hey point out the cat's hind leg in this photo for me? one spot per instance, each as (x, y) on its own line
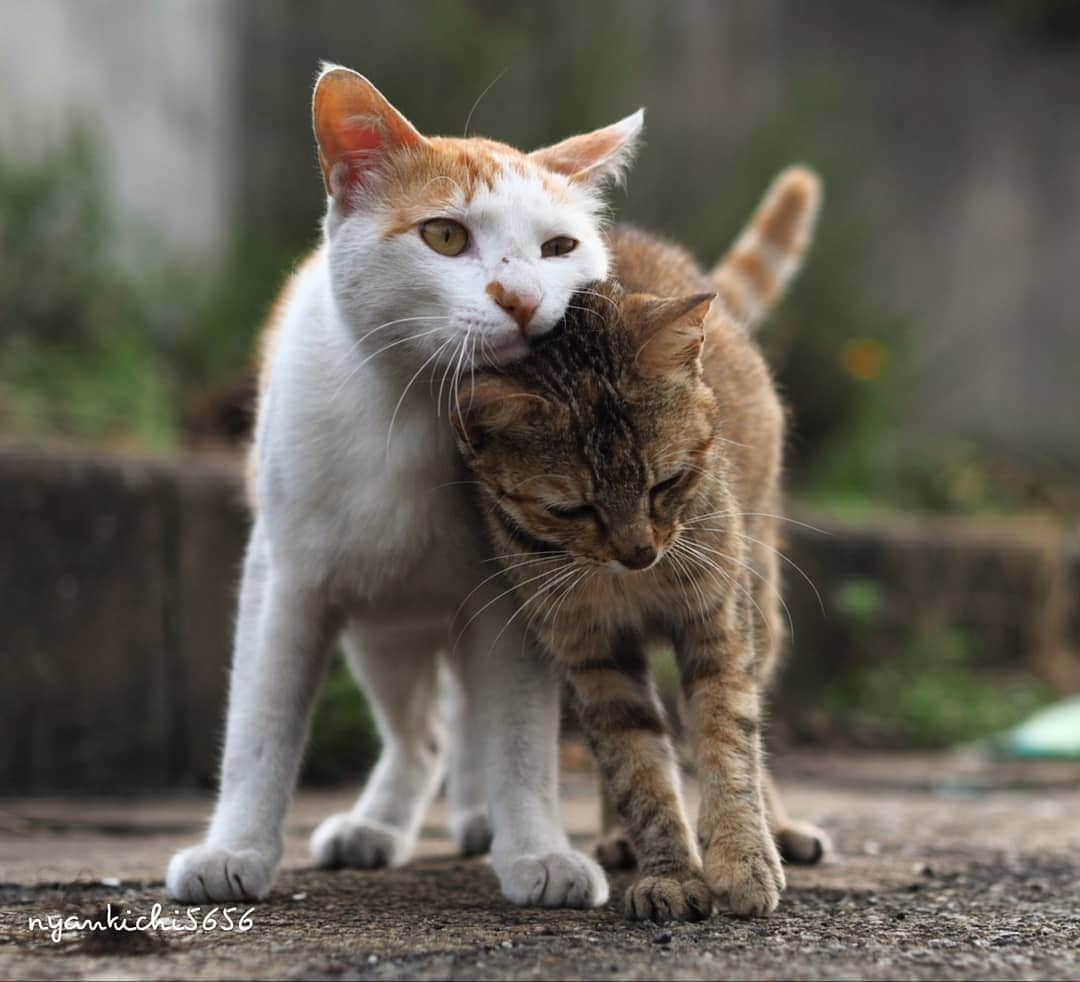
(470, 824)
(397, 667)
(799, 842)
(613, 851)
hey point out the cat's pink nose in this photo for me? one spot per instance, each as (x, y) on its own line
(518, 304)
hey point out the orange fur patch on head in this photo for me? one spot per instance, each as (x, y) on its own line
(423, 183)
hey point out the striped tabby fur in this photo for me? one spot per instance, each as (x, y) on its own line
(630, 468)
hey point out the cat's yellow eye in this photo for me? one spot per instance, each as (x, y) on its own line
(558, 246)
(445, 236)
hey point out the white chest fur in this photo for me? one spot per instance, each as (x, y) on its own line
(373, 514)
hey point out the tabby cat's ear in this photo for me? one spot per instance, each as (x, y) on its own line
(354, 126)
(671, 331)
(593, 159)
(491, 405)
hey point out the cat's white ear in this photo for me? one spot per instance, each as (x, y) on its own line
(354, 126)
(671, 330)
(595, 158)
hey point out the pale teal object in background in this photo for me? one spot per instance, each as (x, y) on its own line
(1053, 732)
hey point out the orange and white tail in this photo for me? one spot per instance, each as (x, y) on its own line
(756, 270)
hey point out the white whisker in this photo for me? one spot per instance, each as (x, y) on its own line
(499, 597)
(753, 572)
(791, 562)
(404, 392)
(487, 89)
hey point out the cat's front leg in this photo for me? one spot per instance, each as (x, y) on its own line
(282, 639)
(515, 697)
(719, 677)
(625, 726)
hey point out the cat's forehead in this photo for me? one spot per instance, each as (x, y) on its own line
(480, 179)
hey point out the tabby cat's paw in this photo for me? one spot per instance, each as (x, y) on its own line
(801, 842)
(682, 897)
(748, 881)
(472, 833)
(615, 852)
(346, 840)
(557, 879)
(206, 874)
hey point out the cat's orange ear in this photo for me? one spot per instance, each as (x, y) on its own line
(671, 331)
(490, 405)
(354, 126)
(595, 158)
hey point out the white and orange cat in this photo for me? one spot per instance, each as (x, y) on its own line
(439, 254)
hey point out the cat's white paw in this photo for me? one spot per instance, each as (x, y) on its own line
(208, 874)
(471, 832)
(346, 840)
(557, 879)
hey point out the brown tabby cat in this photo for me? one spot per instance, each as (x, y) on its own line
(630, 468)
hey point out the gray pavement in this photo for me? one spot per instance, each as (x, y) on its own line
(945, 867)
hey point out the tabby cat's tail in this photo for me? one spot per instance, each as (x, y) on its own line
(754, 273)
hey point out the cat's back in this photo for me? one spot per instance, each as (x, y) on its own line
(646, 263)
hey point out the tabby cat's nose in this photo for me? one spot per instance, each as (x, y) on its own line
(519, 304)
(640, 557)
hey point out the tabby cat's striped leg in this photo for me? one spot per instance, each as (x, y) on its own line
(719, 676)
(624, 723)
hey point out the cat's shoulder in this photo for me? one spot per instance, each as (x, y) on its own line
(272, 327)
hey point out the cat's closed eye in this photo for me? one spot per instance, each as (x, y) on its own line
(445, 236)
(561, 245)
(667, 484)
(572, 513)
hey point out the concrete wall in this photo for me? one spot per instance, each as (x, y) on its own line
(118, 582)
(117, 596)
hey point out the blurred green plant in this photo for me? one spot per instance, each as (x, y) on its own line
(344, 742)
(933, 694)
(81, 346)
(860, 600)
(839, 354)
